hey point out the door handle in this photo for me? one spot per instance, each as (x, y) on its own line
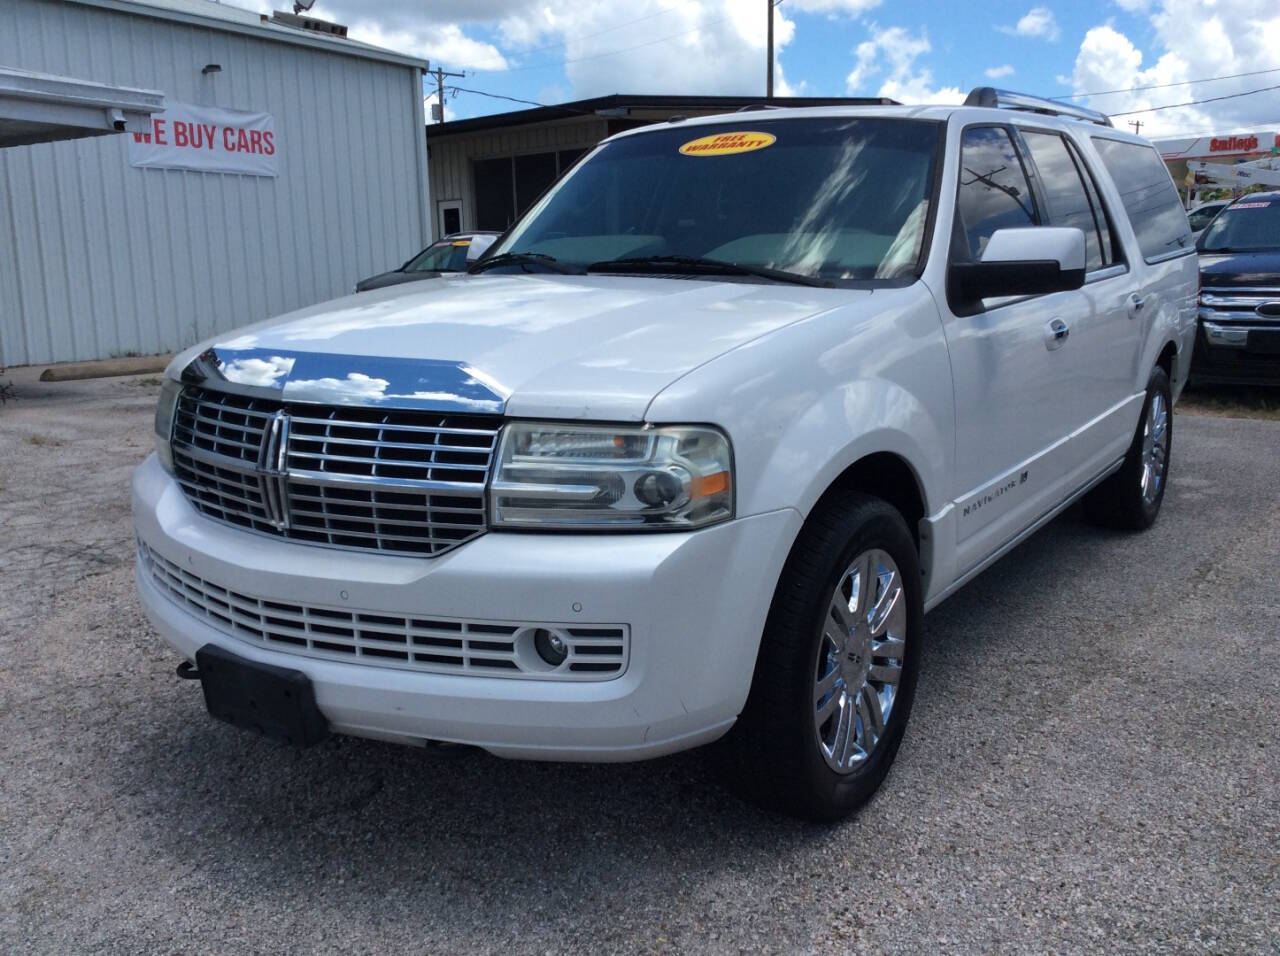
(1055, 334)
(1136, 302)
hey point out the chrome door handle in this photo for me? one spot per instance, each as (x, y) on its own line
(1136, 302)
(1055, 335)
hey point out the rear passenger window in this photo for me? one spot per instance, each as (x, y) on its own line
(1148, 195)
(1064, 193)
(994, 193)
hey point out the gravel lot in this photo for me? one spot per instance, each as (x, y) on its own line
(1093, 762)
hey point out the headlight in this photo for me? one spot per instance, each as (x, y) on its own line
(614, 478)
(165, 409)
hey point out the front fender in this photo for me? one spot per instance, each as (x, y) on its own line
(804, 403)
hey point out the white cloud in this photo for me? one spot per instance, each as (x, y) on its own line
(1192, 40)
(833, 6)
(443, 44)
(890, 56)
(712, 47)
(1037, 22)
(998, 72)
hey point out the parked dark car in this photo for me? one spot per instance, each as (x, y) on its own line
(1200, 217)
(450, 254)
(1238, 339)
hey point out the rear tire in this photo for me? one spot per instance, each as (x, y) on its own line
(836, 673)
(1131, 498)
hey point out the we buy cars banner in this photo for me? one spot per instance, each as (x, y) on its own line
(208, 139)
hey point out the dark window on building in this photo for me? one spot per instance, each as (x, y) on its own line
(452, 216)
(507, 187)
(1149, 196)
(993, 194)
(567, 157)
(495, 194)
(534, 173)
(1064, 192)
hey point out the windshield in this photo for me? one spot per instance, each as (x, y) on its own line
(447, 255)
(832, 198)
(1251, 225)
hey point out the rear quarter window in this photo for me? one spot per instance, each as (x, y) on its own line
(1149, 197)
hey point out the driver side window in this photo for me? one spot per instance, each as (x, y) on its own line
(993, 193)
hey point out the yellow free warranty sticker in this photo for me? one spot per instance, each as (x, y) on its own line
(724, 144)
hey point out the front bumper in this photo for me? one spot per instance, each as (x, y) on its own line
(695, 604)
(1234, 352)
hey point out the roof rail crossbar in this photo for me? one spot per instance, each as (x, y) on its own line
(1007, 99)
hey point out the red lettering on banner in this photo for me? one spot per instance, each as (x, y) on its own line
(158, 132)
(255, 140)
(227, 140)
(242, 141)
(180, 134)
(1234, 144)
(207, 131)
(269, 146)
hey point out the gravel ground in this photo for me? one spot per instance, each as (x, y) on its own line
(1093, 762)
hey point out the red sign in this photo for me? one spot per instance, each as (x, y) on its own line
(1235, 144)
(208, 139)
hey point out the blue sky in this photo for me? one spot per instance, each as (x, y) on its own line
(911, 50)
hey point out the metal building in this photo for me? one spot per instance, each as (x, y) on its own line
(487, 170)
(288, 164)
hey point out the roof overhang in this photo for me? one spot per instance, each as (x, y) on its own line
(651, 108)
(42, 108)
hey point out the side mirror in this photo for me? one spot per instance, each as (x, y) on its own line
(1030, 260)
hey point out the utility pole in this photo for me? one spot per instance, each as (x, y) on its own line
(1137, 126)
(440, 74)
(768, 81)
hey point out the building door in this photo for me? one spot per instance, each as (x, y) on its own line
(449, 217)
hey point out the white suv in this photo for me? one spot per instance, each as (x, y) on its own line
(690, 453)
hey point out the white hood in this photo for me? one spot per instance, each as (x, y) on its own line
(553, 346)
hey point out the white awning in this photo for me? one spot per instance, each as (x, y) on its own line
(41, 108)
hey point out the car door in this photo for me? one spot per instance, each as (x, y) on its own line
(1105, 334)
(1014, 373)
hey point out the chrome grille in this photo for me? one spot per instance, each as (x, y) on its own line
(375, 479)
(445, 646)
(1239, 304)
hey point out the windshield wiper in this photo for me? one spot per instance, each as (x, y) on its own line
(698, 264)
(522, 259)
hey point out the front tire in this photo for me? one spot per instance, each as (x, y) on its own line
(1131, 498)
(836, 673)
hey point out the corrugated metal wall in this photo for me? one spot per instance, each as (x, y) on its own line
(99, 259)
(451, 157)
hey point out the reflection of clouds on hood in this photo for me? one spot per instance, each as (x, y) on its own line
(262, 372)
(450, 398)
(354, 389)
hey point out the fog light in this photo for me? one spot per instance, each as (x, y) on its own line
(550, 646)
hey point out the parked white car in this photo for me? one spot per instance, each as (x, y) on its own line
(693, 451)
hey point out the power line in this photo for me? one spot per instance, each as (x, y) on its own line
(1165, 86)
(1211, 99)
(516, 99)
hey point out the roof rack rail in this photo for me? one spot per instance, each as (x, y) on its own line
(1006, 99)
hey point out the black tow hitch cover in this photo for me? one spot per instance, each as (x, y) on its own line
(274, 702)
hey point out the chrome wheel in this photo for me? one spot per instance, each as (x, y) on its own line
(1155, 448)
(859, 660)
